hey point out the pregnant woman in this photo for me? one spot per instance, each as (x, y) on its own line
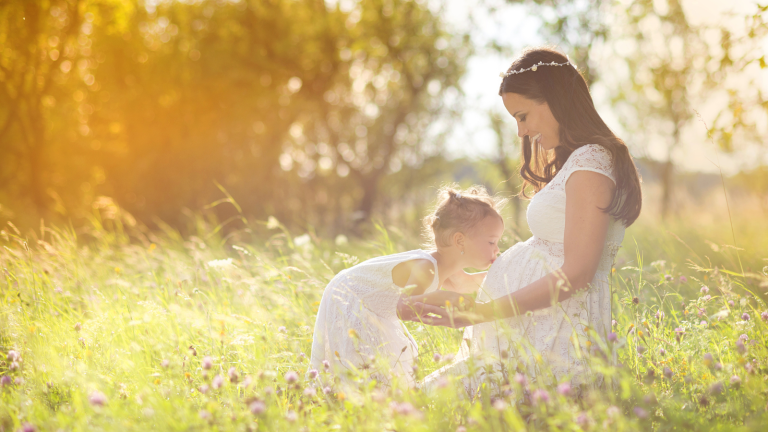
(545, 301)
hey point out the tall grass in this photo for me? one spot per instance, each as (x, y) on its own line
(115, 326)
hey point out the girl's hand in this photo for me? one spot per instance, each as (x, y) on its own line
(417, 311)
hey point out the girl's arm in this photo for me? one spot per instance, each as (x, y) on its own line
(586, 227)
(422, 274)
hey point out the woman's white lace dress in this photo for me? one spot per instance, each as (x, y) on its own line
(357, 319)
(550, 343)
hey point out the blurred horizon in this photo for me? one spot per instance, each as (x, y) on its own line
(333, 114)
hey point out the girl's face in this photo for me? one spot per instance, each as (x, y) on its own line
(481, 244)
(534, 119)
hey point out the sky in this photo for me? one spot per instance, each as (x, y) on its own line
(512, 25)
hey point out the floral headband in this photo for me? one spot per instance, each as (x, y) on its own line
(535, 67)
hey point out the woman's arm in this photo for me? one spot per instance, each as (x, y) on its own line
(586, 227)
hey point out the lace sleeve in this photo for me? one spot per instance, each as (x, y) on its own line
(591, 157)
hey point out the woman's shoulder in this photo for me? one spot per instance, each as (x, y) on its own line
(591, 157)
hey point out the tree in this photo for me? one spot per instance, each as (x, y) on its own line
(672, 66)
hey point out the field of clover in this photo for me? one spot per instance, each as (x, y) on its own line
(116, 327)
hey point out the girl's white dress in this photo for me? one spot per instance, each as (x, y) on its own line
(549, 344)
(357, 319)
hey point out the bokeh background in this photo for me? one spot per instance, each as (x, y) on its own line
(332, 115)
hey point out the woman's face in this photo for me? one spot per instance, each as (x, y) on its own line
(533, 119)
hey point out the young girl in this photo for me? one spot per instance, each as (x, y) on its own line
(357, 321)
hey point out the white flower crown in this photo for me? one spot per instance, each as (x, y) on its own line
(536, 66)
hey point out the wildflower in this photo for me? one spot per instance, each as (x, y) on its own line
(662, 351)
(97, 398)
(327, 390)
(730, 303)
(233, 375)
(749, 367)
(207, 362)
(582, 419)
(165, 363)
(461, 429)
(668, 278)
(28, 427)
(740, 347)
(203, 389)
(247, 381)
(564, 389)
(13, 366)
(310, 392)
(640, 413)
(612, 337)
(521, 380)
(282, 329)
(659, 315)
(704, 290)
(635, 300)
(735, 380)
(220, 264)
(540, 395)
(700, 312)
(708, 359)
(13, 355)
(442, 382)
(707, 297)
(703, 401)
(499, 404)
(312, 374)
(640, 349)
(683, 279)
(703, 323)
(667, 372)
(716, 388)
(5, 381)
(764, 316)
(718, 366)
(613, 322)
(743, 337)
(78, 326)
(291, 377)
(18, 381)
(613, 411)
(436, 357)
(745, 316)
(326, 365)
(257, 407)
(218, 382)
(353, 334)
(205, 415)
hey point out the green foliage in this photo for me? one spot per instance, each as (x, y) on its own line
(132, 314)
(299, 108)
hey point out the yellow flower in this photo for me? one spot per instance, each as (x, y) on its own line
(352, 334)
(640, 333)
(341, 396)
(645, 323)
(589, 344)
(157, 381)
(152, 247)
(117, 270)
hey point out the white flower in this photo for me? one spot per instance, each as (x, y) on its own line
(302, 240)
(272, 223)
(220, 264)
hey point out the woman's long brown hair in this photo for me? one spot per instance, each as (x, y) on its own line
(564, 89)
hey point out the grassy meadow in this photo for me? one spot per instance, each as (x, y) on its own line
(115, 327)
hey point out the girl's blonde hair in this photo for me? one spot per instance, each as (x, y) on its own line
(458, 211)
